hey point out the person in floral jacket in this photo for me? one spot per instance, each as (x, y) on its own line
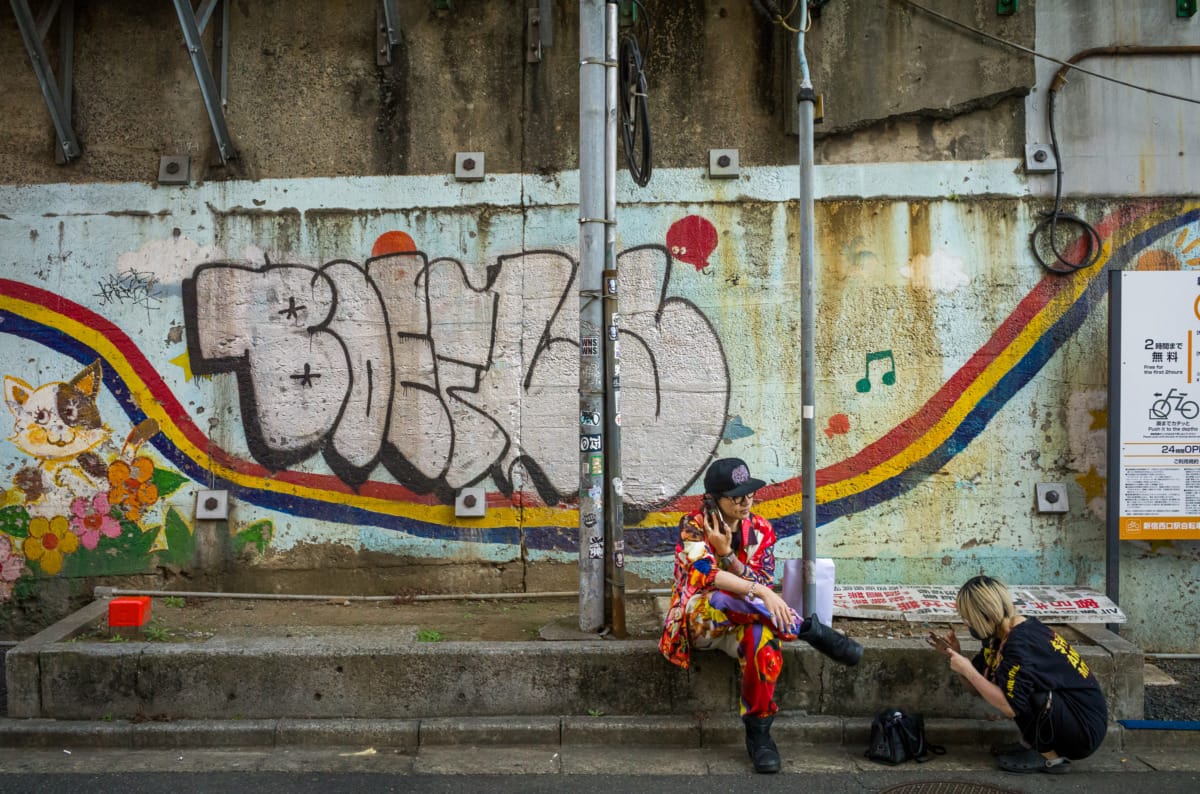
(722, 599)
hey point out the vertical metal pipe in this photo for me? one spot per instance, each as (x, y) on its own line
(591, 322)
(614, 515)
(1112, 519)
(808, 459)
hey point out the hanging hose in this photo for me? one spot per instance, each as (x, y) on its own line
(631, 98)
(1051, 218)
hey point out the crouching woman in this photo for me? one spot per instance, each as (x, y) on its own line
(1029, 673)
(722, 600)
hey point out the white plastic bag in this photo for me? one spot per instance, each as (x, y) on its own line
(793, 588)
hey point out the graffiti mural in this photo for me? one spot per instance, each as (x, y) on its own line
(447, 375)
(413, 376)
(80, 506)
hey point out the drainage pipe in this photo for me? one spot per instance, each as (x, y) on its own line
(110, 592)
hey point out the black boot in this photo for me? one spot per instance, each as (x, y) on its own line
(763, 752)
(836, 646)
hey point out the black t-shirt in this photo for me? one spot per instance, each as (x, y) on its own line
(1035, 659)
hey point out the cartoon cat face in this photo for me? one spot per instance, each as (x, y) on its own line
(56, 421)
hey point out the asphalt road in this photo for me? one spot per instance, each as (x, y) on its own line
(831, 783)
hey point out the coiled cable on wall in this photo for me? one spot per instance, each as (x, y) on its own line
(1053, 217)
(632, 100)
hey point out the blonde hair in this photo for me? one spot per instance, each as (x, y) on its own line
(986, 606)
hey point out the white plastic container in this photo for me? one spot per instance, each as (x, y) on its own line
(793, 588)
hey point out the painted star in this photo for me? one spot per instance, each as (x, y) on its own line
(1093, 484)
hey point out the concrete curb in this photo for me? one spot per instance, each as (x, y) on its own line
(361, 674)
(410, 735)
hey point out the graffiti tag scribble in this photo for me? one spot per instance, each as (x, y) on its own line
(132, 287)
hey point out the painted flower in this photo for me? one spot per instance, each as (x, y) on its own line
(132, 490)
(91, 520)
(11, 566)
(48, 541)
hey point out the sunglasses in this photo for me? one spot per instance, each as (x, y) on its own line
(741, 500)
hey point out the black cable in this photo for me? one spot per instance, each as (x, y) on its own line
(635, 113)
(1051, 218)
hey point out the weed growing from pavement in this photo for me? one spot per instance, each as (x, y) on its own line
(174, 601)
(157, 633)
(429, 635)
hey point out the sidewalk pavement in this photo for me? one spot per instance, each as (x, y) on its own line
(661, 745)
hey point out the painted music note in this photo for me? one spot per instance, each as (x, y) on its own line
(888, 378)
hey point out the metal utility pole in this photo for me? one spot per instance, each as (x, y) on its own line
(614, 522)
(806, 100)
(592, 224)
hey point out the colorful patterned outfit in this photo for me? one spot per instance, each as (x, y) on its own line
(701, 617)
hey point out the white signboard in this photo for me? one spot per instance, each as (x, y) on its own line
(1159, 422)
(935, 603)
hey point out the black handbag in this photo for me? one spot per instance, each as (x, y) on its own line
(897, 737)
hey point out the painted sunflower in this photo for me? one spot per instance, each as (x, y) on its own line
(48, 541)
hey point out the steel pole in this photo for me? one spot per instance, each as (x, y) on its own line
(806, 101)
(614, 514)
(591, 322)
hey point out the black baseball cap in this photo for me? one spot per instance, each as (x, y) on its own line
(730, 477)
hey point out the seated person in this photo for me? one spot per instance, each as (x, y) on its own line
(722, 600)
(1029, 673)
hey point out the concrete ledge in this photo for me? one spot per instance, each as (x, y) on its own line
(403, 734)
(22, 670)
(632, 731)
(356, 673)
(508, 732)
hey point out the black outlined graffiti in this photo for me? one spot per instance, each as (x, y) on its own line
(447, 382)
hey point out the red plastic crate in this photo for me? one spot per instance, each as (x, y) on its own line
(129, 611)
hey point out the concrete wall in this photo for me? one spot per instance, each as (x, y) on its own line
(350, 337)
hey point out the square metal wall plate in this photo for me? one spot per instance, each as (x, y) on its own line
(1039, 158)
(174, 169)
(470, 503)
(469, 166)
(723, 163)
(1052, 497)
(212, 505)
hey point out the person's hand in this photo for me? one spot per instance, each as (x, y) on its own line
(960, 664)
(717, 533)
(944, 644)
(781, 613)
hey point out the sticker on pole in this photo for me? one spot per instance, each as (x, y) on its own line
(591, 442)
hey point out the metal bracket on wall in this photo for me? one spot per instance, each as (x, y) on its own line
(58, 96)
(539, 30)
(387, 32)
(193, 23)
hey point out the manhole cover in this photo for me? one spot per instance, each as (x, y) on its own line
(947, 787)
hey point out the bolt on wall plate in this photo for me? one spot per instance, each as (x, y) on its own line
(468, 166)
(1051, 497)
(470, 503)
(174, 169)
(1039, 159)
(212, 505)
(723, 163)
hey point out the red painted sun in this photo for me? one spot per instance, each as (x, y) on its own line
(393, 242)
